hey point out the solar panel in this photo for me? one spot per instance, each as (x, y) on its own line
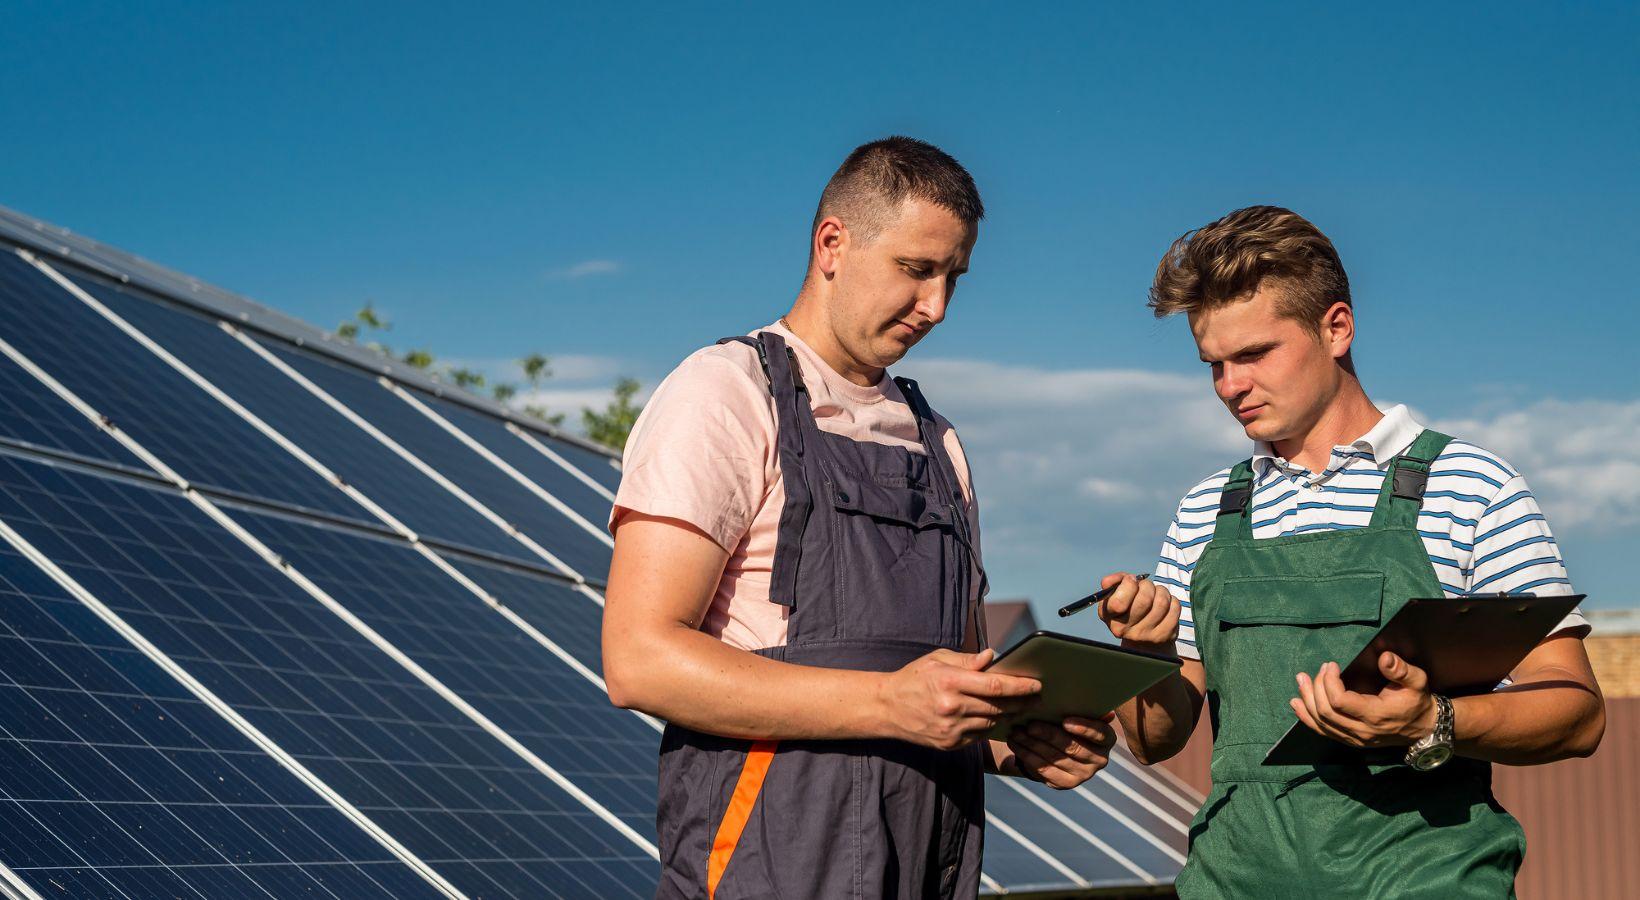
(553, 477)
(117, 781)
(1012, 862)
(1116, 853)
(143, 396)
(582, 551)
(30, 415)
(601, 468)
(558, 713)
(452, 793)
(1151, 835)
(426, 716)
(309, 423)
(547, 604)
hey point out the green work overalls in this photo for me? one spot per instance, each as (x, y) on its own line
(1268, 609)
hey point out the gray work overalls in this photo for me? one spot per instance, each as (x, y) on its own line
(874, 560)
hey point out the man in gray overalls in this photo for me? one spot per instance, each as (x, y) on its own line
(796, 580)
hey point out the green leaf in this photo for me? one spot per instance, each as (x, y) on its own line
(613, 425)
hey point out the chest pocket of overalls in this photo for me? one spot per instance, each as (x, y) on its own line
(897, 561)
(1273, 627)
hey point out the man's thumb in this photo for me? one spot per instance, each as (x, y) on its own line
(1400, 671)
(981, 659)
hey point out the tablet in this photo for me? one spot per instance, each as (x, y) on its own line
(1079, 677)
(1467, 645)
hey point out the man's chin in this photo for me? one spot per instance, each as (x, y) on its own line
(890, 351)
(1268, 432)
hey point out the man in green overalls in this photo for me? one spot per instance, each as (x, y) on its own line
(1276, 570)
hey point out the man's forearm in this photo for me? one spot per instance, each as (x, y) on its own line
(1547, 716)
(1158, 722)
(691, 678)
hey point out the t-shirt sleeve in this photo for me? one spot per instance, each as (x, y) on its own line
(965, 476)
(1173, 567)
(1187, 536)
(701, 450)
(1515, 552)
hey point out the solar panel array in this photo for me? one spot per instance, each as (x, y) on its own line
(278, 619)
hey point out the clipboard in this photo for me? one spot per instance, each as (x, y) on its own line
(1466, 645)
(1080, 677)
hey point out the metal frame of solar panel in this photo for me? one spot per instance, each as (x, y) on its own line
(373, 596)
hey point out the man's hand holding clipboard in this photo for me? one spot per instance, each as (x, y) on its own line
(1400, 712)
(1387, 697)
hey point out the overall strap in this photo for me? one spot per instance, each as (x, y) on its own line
(795, 430)
(1235, 518)
(945, 472)
(1403, 492)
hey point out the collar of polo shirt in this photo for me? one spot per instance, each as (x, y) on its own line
(1393, 434)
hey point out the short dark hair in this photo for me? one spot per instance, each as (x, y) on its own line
(869, 186)
(1226, 260)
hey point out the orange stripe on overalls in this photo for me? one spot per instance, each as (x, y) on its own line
(739, 811)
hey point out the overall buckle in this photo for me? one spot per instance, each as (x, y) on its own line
(1234, 498)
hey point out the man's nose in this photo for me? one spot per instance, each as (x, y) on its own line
(933, 302)
(1231, 381)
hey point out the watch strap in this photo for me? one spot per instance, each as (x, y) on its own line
(1442, 736)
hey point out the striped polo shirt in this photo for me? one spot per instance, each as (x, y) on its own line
(1480, 524)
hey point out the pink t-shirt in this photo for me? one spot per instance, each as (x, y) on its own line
(703, 451)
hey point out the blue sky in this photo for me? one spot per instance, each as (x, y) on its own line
(616, 188)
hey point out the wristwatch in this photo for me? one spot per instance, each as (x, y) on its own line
(1434, 748)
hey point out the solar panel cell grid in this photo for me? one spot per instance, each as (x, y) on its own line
(31, 414)
(594, 464)
(519, 684)
(170, 416)
(310, 424)
(1128, 849)
(445, 453)
(570, 618)
(1064, 845)
(1144, 828)
(532, 463)
(116, 781)
(1014, 866)
(445, 788)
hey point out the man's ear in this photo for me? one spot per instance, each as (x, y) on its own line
(1338, 329)
(830, 244)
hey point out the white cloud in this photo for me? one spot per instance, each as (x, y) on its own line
(1111, 491)
(568, 368)
(571, 400)
(585, 269)
(1581, 458)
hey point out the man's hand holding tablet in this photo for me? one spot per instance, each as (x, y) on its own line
(1065, 755)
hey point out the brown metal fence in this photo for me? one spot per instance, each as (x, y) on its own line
(1582, 816)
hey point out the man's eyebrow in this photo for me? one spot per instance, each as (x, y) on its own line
(1264, 347)
(928, 262)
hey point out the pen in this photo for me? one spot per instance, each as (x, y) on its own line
(1091, 599)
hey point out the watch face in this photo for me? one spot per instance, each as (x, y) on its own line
(1431, 758)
